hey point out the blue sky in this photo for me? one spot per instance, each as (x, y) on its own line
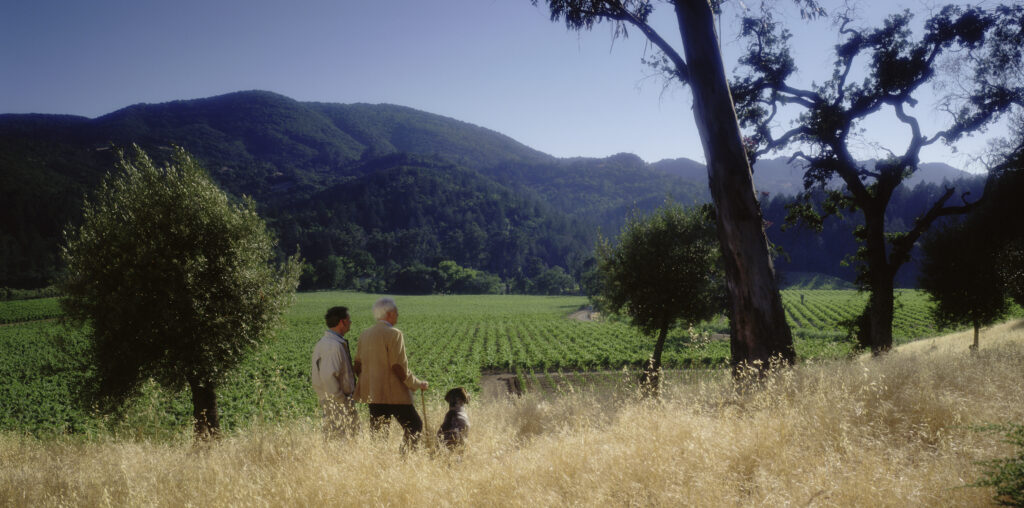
(500, 64)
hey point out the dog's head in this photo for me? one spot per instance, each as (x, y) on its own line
(457, 395)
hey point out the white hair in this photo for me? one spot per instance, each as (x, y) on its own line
(382, 307)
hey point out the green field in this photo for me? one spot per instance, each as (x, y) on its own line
(450, 341)
(17, 311)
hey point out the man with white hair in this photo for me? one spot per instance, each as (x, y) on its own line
(385, 381)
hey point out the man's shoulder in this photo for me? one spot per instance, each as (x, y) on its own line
(328, 340)
(380, 329)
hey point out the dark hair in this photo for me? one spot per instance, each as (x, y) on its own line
(455, 395)
(335, 315)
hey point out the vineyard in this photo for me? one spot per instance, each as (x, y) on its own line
(17, 311)
(451, 340)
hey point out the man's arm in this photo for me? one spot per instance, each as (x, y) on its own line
(346, 380)
(357, 362)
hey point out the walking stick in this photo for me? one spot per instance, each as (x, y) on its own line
(431, 441)
(423, 404)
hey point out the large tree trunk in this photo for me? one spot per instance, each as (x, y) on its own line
(758, 329)
(876, 322)
(204, 409)
(877, 335)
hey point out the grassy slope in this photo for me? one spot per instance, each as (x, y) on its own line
(895, 431)
(1010, 332)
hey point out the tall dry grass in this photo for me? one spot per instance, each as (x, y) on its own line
(895, 431)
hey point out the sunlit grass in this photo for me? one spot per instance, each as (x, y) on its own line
(895, 431)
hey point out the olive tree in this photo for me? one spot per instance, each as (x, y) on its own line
(665, 268)
(175, 281)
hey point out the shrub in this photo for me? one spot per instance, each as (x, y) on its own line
(1007, 475)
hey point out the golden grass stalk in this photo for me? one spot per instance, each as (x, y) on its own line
(894, 431)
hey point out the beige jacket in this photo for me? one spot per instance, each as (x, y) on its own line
(331, 368)
(384, 376)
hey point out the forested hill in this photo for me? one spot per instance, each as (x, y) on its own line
(289, 155)
(367, 191)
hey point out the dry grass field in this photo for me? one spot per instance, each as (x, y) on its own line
(896, 431)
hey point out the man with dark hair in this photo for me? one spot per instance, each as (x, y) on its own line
(385, 381)
(333, 378)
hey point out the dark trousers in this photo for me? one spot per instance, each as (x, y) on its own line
(405, 414)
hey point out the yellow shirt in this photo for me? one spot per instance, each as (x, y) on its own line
(380, 348)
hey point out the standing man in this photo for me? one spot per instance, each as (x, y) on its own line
(333, 378)
(385, 382)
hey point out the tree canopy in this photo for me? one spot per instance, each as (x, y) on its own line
(664, 268)
(964, 282)
(985, 45)
(176, 282)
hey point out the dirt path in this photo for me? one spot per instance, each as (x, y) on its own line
(496, 386)
(587, 314)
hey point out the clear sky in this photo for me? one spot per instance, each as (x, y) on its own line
(500, 64)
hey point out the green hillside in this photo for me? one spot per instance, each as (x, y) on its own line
(287, 154)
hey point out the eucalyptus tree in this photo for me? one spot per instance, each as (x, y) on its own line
(176, 282)
(974, 51)
(758, 329)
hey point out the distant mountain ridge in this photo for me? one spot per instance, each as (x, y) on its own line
(520, 212)
(780, 176)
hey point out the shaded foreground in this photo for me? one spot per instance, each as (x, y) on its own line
(890, 432)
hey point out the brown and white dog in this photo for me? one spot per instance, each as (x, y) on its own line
(455, 427)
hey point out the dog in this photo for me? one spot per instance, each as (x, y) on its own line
(455, 428)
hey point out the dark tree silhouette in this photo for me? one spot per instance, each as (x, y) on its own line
(958, 273)
(984, 45)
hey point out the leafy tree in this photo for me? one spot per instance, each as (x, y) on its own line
(174, 280)
(416, 280)
(459, 280)
(664, 269)
(999, 217)
(989, 67)
(1012, 269)
(965, 284)
(554, 281)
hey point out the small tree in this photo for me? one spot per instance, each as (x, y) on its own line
(964, 282)
(554, 281)
(665, 269)
(174, 280)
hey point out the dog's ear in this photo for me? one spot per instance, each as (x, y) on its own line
(465, 395)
